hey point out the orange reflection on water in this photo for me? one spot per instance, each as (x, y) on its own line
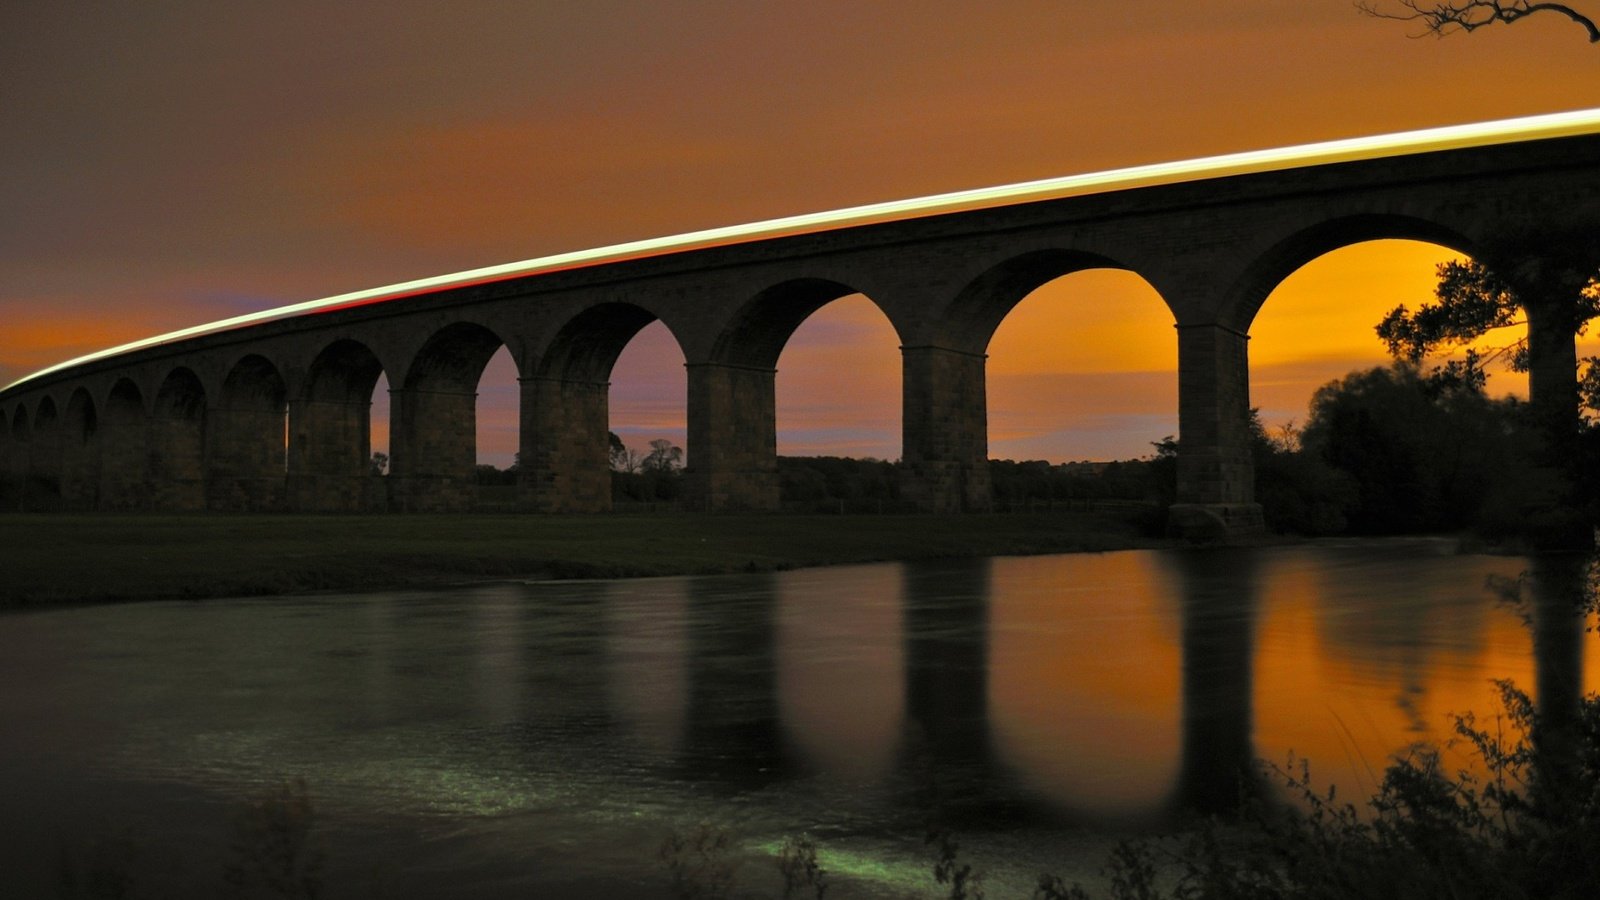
(1085, 680)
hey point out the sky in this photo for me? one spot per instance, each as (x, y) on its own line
(173, 162)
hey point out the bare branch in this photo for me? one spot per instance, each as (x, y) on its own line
(1444, 18)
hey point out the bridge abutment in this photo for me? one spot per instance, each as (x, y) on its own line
(733, 438)
(944, 463)
(564, 448)
(1216, 475)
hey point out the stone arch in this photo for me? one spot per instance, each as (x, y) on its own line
(985, 301)
(330, 432)
(248, 436)
(178, 442)
(124, 446)
(733, 444)
(758, 331)
(1247, 294)
(434, 432)
(80, 452)
(945, 457)
(566, 408)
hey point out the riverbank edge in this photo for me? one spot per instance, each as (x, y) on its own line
(49, 560)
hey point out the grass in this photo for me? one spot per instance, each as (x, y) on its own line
(95, 558)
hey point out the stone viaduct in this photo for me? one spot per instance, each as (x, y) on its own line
(274, 415)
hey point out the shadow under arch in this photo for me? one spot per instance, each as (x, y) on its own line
(732, 408)
(123, 443)
(434, 453)
(330, 433)
(566, 409)
(177, 442)
(80, 452)
(1250, 292)
(245, 465)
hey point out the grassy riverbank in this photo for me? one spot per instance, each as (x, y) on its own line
(62, 559)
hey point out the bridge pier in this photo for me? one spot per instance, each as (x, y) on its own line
(330, 457)
(245, 462)
(124, 441)
(944, 430)
(1216, 475)
(80, 454)
(733, 438)
(564, 447)
(432, 450)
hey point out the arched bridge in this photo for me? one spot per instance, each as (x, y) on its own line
(271, 411)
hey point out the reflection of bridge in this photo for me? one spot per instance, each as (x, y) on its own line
(197, 419)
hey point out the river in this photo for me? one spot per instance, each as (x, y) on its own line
(543, 739)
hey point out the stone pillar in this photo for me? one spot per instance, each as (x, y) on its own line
(330, 450)
(565, 451)
(733, 438)
(433, 450)
(80, 456)
(123, 458)
(177, 459)
(1216, 476)
(944, 463)
(245, 459)
(43, 485)
(15, 473)
(1553, 508)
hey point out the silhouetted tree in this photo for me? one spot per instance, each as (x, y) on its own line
(623, 459)
(1442, 18)
(663, 456)
(1472, 302)
(379, 463)
(1419, 454)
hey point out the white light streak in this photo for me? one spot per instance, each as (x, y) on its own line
(1504, 131)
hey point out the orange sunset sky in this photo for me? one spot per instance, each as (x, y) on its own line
(167, 164)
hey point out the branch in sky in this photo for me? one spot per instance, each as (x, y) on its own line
(1470, 15)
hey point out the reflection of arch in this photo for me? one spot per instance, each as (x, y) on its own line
(1291, 253)
(566, 409)
(246, 461)
(330, 431)
(80, 452)
(123, 445)
(433, 433)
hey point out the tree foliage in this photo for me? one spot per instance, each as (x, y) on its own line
(1471, 302)
(1443, 18)
(1416, 453)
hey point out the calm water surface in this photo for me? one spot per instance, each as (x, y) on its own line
(542, 739)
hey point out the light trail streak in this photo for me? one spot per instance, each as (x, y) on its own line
(1406, 143)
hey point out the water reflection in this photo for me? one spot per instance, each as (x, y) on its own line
(732, 732)
(1010, 696)
(1219, 617)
